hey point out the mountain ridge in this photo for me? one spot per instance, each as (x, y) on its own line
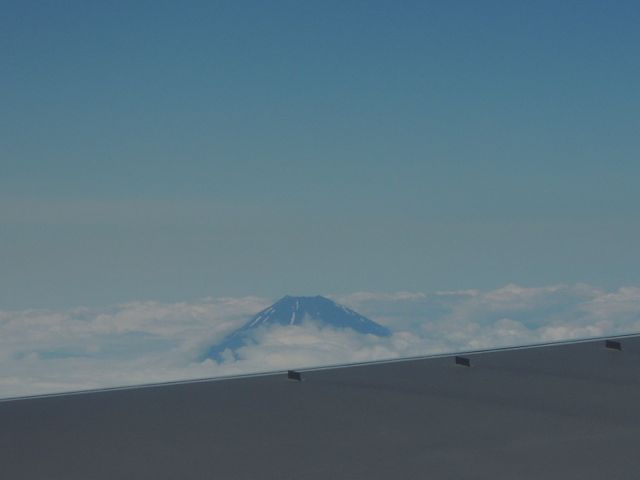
(296, 310)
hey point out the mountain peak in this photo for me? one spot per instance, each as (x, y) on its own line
(290, 310)
(295, 310)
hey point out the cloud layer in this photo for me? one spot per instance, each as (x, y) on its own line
(145, 342)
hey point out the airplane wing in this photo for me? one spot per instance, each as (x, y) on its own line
(554, 412)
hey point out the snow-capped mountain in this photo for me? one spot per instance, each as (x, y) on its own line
(294, 311)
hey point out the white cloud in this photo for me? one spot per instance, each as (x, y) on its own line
(143, 342)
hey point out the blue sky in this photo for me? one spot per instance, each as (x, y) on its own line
(166, 151)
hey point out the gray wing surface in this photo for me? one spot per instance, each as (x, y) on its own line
(565, 411)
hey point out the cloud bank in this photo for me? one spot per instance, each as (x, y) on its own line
(145, 342)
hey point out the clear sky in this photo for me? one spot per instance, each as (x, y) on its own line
(172, 150)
